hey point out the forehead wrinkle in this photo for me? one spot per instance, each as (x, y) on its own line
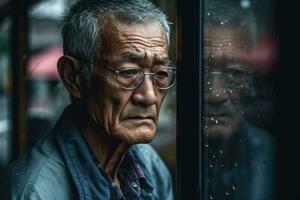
(148, 41)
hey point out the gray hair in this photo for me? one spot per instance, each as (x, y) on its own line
(83, 24)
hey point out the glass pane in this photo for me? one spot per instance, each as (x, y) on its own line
(239, 61)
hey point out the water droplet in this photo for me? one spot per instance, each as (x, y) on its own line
(205, 126)
(208, 82)
(233, 187)
(227, 193)
(230, 91)
(214, 156)
(211, 197)
(210, 88)
(217, 121)
(210, 165)
(212, 119)
(217, 94)
(229, 43)
(208, 13)
(245, 4)
(206, 145)
(221, 45)
(222, 23)
(221, 151)
(235, 164)
(222, 165)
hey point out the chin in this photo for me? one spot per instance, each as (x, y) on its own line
(218, 131)
(136, 135)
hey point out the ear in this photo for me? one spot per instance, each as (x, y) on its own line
(68, 69)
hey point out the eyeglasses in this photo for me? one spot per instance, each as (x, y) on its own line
(132, 78)
(231, 79)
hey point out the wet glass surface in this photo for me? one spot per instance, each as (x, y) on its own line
(239, 58)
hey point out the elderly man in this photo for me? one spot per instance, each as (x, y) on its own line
(117, 71)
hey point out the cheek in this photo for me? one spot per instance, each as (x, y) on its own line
(115, 103)
(160, 98)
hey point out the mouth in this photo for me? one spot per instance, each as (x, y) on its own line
(219, 118)
(140, 118)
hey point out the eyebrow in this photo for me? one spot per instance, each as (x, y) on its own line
(132, 57)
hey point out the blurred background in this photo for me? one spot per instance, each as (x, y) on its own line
(32, 96)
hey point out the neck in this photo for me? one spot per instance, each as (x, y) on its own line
(109, 151)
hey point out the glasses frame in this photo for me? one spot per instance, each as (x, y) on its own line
(117, 72)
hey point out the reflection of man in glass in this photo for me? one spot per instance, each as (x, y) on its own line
(226, 74)
(238, 156)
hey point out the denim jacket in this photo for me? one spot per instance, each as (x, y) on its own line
(60, 167)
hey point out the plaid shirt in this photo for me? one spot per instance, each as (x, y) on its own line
(131, 177)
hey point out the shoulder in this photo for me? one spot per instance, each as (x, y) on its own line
(40, 173)
(150, 159)
(259, 138)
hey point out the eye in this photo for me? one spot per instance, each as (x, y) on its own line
(129, 72)
(235, 73)
(161, 74)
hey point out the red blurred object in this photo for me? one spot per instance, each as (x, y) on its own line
(42, 66)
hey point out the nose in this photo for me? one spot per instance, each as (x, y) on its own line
(215, 91)
(145, 94)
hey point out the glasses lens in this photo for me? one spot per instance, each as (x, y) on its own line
(164, 78)
(229, 79)
(130, 78)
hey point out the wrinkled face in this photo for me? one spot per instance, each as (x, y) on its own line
(226, 75)
(129, 115)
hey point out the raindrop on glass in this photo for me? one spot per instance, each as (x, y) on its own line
(217, 121)
(245, 4)
(211, 197)
(233, 187)
(227, 193)
(221, 151)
